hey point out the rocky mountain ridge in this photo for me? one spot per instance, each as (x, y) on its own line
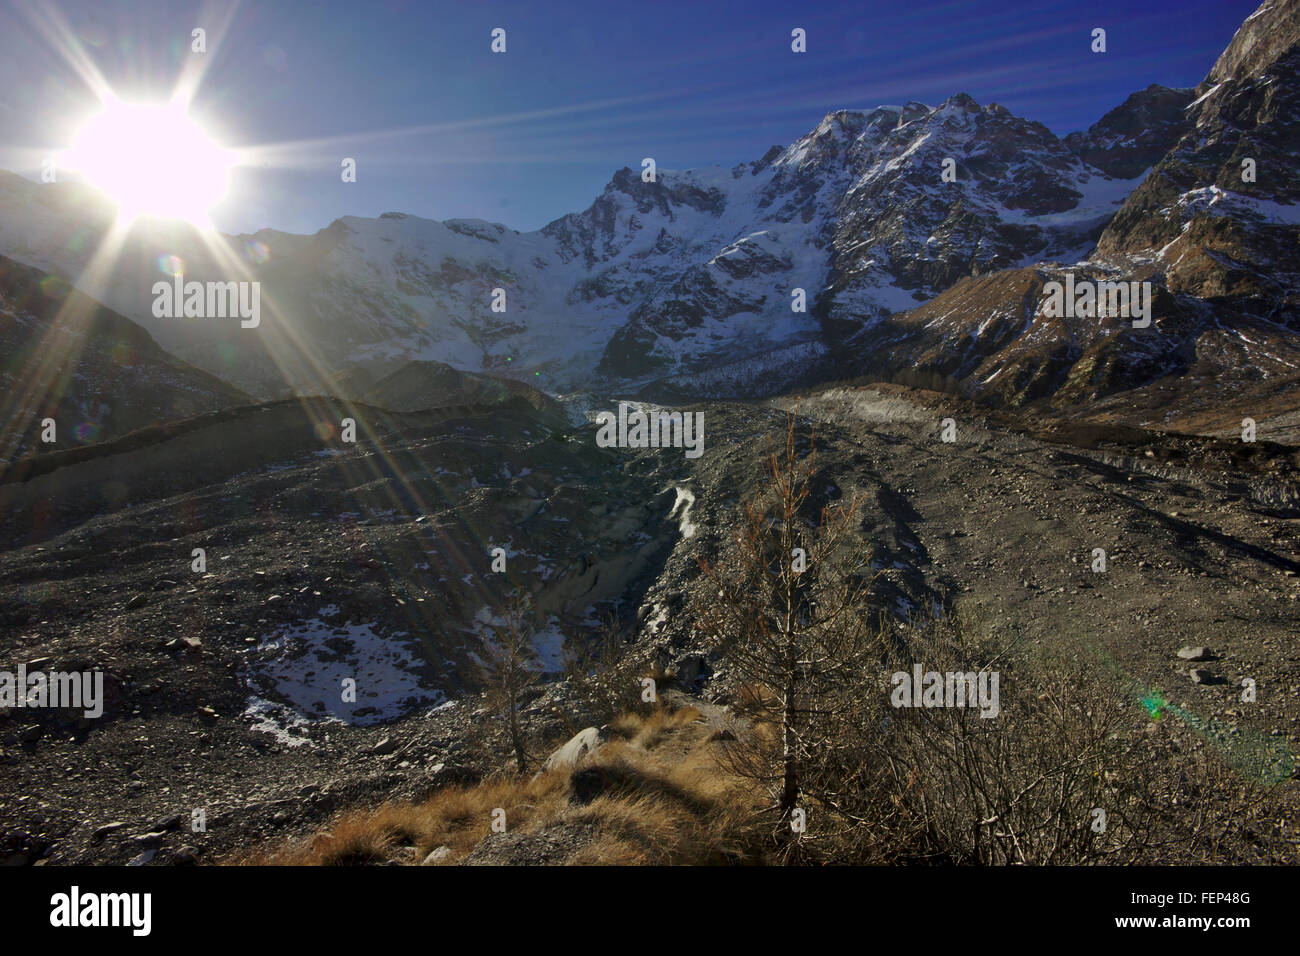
(684, 283)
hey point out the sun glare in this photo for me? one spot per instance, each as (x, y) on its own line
(152, 161)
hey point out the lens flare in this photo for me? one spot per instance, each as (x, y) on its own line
(1265, 759)
(152, 161)
(255, 252)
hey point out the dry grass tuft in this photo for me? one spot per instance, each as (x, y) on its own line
(457, 817)
(643, 802)
(647, 731)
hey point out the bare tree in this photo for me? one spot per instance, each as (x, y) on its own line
(509, 668)
(789, 609)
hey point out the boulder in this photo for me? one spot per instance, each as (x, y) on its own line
(435, 857)
(582, 744)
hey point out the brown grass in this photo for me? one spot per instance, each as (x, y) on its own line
(647, 731)
(655, 804)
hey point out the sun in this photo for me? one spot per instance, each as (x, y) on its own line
(152, 161)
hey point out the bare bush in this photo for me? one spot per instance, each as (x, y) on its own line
(1070, 771)
(603, 679)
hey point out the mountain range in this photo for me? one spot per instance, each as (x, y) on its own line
(686, 286)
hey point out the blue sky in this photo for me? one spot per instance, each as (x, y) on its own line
(441, 127)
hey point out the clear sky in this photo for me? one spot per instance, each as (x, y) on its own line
(442, 127)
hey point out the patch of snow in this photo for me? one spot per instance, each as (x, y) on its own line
(306, 664)
(687, 497)
(1204, 96)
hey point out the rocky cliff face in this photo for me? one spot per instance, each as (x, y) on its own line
(1212, 227)
(1218, 215)
(1135, 135)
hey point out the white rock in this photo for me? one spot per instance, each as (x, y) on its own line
(437, 856)
(582, 743)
